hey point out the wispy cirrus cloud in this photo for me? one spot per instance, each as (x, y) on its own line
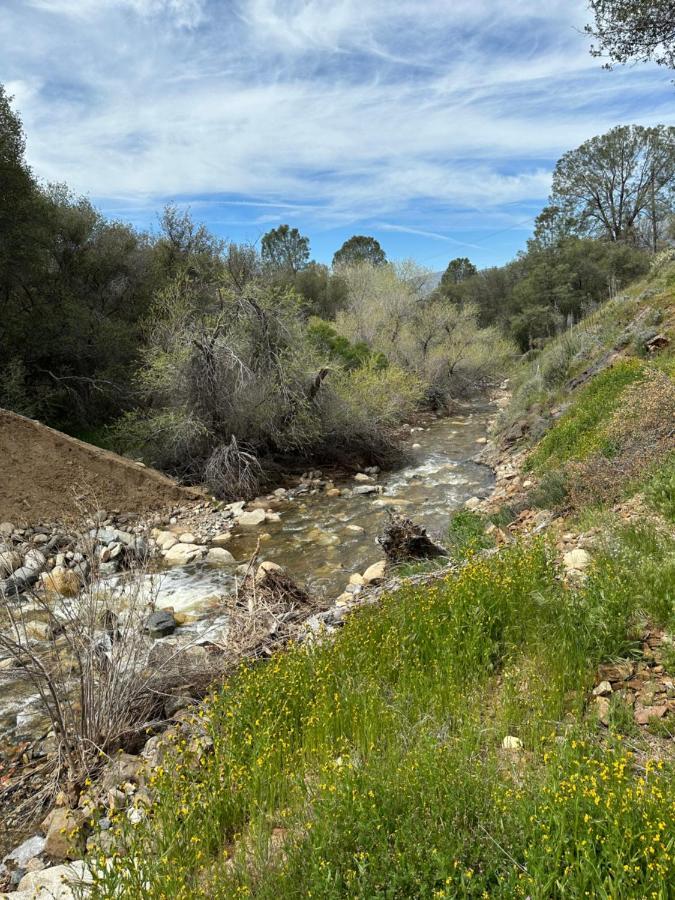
(431, 117)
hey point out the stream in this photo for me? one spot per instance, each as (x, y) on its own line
(320, 540)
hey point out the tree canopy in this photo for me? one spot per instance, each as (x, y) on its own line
(285, 250)
(359, 249)
(618, 185)
(458, 270)
(634, 30)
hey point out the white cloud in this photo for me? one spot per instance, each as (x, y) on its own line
(348, 109)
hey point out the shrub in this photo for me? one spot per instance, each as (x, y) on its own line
(551, 491)
(466, 534)
(360, 408)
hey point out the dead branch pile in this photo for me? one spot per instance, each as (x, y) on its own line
(266, 611)
(403, 539)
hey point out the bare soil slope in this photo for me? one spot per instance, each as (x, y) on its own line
(46, 476)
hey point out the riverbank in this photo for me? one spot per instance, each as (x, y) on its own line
(500, 729)
(322, 529)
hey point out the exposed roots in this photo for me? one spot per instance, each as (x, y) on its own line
(403, 539)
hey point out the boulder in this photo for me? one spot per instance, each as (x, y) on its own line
(363, 478)
(160, 623)
(182, 554)
(577, 560)
(64, 838)
(165, 540)
(187, 538)
(20, 580)
(221, 539)
(10, 560)
(122, 768)
(61, 582)
(356, 579)
(265, 568)
(252, 517)
(26, 851)
(53, 883)
(367, 489)
(375, 573)
(512, 743)
(218, 556)
(35, 559)
(472, 503)
(602, 709)
(604, 689)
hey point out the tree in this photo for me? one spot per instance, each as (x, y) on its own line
(324, 292)
(284, 250)
(458, 270)
(619, 185)
(359, 249)
(639, 30)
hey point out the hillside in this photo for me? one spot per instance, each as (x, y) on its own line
(502, 727)
(48, 476)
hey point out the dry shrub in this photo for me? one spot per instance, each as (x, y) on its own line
(233, 472)
(640, 433)
(266, 611)
(94, 670)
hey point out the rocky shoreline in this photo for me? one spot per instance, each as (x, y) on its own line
(54, 563)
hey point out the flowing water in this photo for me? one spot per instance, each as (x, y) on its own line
(321, 540)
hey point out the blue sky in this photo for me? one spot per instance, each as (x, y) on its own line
(433, 126)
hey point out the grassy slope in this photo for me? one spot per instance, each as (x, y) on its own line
(372, 765)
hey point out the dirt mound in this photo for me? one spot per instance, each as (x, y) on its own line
(47, 476)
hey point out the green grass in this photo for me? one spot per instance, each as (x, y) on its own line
(375, 757)
(466, 534)
(660, 488)
(580, 430)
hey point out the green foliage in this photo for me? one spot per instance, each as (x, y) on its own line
(362, 407)
(359, 250)
(439, 342)
(551, 492)
(618, 185)
(556, 283)
(660, 489)
(466, 534)
(457, 271)
(376, 757)
(284, 250)
(579, 431)
(634, 30)
(351, 356)
(325, 293)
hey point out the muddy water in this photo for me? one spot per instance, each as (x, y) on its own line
(320, 540)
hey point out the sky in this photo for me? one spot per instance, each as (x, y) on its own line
(433, 126)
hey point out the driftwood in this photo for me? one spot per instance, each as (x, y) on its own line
(403, 539)
(266, 611)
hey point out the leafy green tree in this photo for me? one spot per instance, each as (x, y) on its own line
(20, 207)
(458, 270)
(325, 293)
(357, 250)
(620, 185)
(284, 250)
(634, 30)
